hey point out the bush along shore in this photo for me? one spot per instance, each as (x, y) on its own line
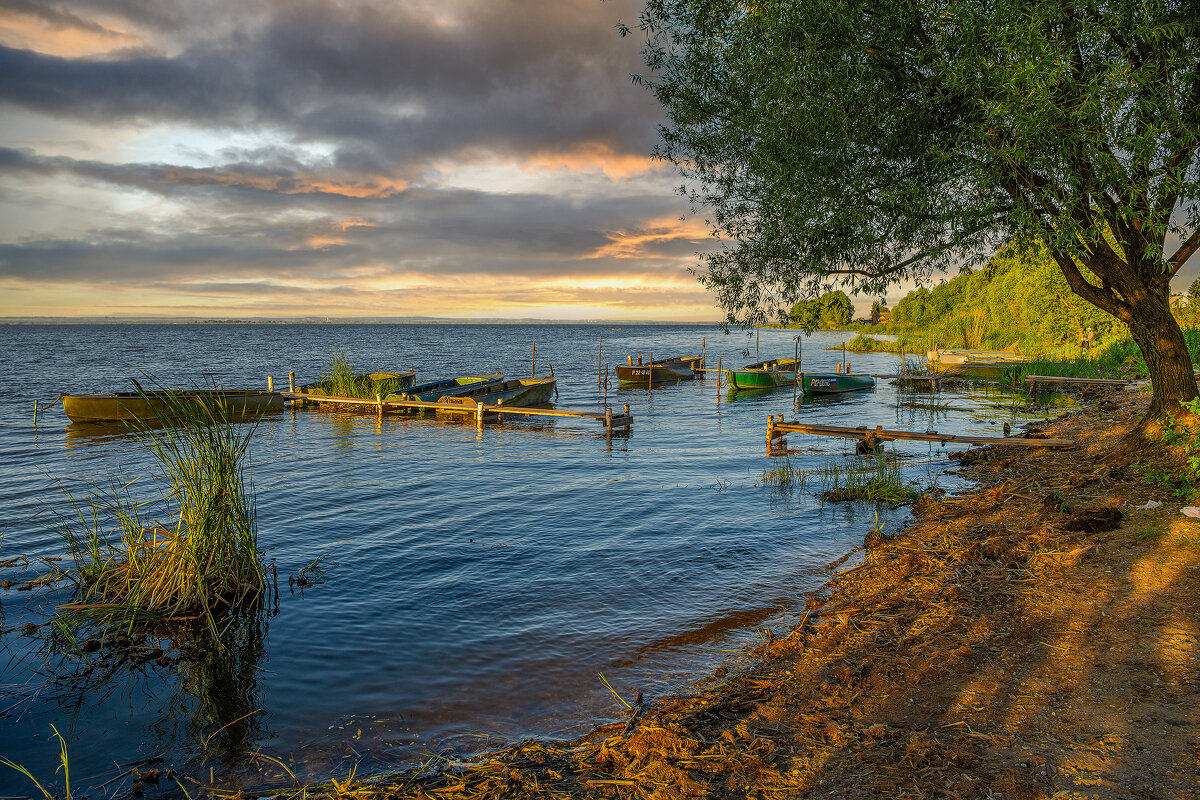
(1033, 638)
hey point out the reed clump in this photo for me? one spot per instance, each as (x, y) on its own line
(869, 344)
(193, 551)
(344, 380)
(784, 475)
(877, 478)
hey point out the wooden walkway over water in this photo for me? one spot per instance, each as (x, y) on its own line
(479, 411)
(777, 429)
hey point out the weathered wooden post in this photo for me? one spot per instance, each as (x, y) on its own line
(35, 413)
(533, 367)
(600, 360)
(770, 432)
(719, 373)
(292, 382)
(703, 351)
(270, 383)
(627, 409)
(608, 421)
(479, 415)
(379, 403)
(606, 384)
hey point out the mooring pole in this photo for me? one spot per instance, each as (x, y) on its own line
(608, 421)
(379, 403)
(35, 413)
(757, 334)
(600, 360)
(533, 367)
(270, 383)
(718, 383)
(292, 382)
(606, 384)
(796, 370)
(703, 350)
(479, 415)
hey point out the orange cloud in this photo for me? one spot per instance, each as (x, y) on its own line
(377, 186)
(61, 34)
(637, 243)
(591, 156)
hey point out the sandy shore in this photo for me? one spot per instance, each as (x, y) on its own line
(1036, 638)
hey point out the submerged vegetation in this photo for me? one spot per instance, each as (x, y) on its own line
(191, 552)
(344, 380)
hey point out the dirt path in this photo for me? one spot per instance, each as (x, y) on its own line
(1038, 638)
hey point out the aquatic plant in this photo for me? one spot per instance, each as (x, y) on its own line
(130, 564)
(784, 475)
(876, 478)
(63, 765)
(343, 380)
(869, 344)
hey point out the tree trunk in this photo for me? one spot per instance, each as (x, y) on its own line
(1161, 341)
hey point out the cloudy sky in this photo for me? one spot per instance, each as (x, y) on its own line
(283, 158)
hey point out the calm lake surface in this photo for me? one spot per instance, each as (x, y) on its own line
(475, 585)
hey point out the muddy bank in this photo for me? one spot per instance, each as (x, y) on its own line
(1036, 638)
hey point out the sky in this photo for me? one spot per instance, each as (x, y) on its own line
(275, 159)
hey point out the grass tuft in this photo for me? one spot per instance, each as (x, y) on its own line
(191, 551)
(876, 478)
(343, 380)
(784, 475)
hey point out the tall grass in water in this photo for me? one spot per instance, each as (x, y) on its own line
(868, 344)
(343, 380)
(200, 557)
(877, 478)
(783, 474)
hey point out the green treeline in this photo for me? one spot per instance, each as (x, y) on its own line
(830, 311)
(1020, 301)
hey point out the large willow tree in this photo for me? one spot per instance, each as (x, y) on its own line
(864, 142)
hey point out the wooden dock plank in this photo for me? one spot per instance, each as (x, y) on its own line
(777, 429)
(469, 409)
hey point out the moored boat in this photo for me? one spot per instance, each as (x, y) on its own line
(163, 405)
(764, 374)
(822, 383)
(434, 391)
(516, 392)
(666, 370)
(987, 364)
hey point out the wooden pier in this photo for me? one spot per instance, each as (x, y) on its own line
(777, 429)
(479, 411)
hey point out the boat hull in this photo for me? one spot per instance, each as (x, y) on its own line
(517, 392)
(763, 375)
(825, 383)
(163, 405)
(671, 370)
(451, 387)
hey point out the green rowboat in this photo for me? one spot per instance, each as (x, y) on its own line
(764, 374)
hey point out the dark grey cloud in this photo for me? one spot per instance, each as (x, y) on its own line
(387, 82)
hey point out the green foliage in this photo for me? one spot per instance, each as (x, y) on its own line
(830, 311)
(199, 557)
(869, 344)
(867, 143)
(1021, 300)
(343, 380)
(1185, 434)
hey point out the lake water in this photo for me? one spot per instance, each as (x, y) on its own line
(476, 585)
